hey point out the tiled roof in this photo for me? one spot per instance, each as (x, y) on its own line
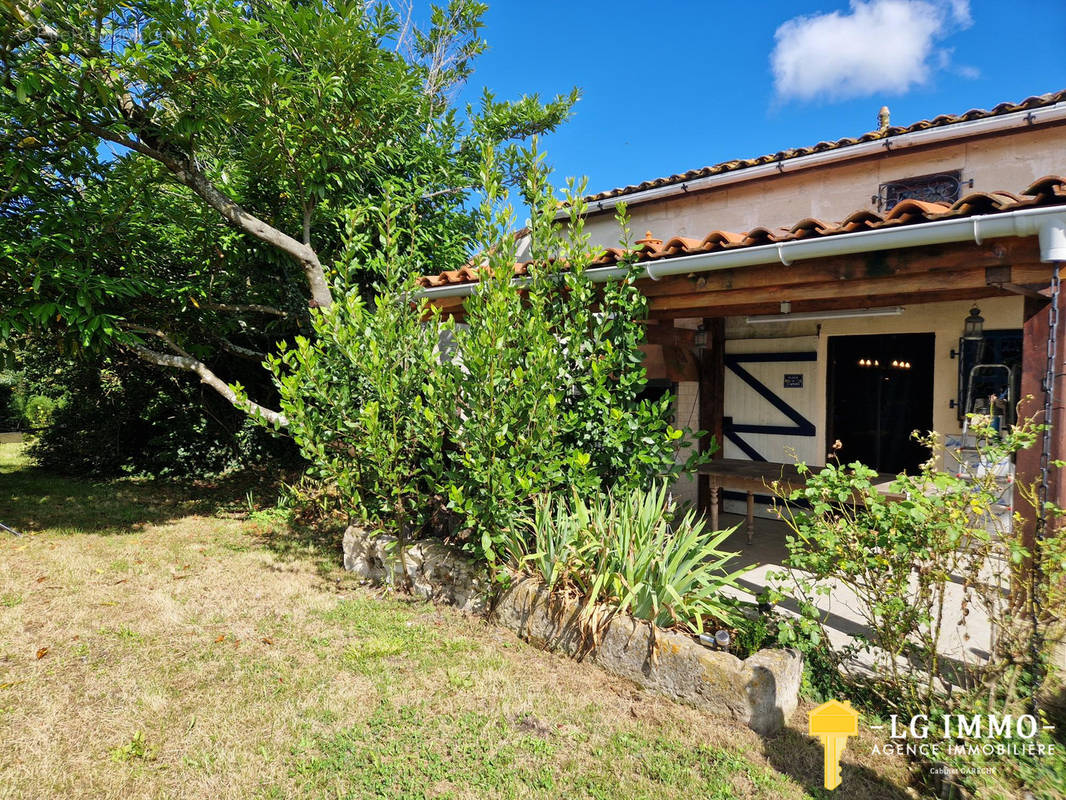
(1047, 191)
(1039, 101)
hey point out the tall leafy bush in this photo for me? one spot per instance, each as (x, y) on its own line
(548, 372)
(536, 391)
(366, 397)
(114, 414)
(899, 559)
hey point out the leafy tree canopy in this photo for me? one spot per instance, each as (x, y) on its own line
(180, 177)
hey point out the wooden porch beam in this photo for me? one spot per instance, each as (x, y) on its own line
(861, 301)
(961, 279)
(885, 264)
(1032, 291)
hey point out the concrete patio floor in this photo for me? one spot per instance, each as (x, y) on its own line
(766, 554)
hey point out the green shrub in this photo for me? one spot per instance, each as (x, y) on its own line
(10, 414)
(897, 560)
(38, 411)
(548, 375)
(631, 551)
(422, 423)
(118, 415)
(367, 398)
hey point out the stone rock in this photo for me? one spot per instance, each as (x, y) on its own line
(433, 570)
(761, 691)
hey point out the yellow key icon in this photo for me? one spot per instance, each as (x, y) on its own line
(833, 722)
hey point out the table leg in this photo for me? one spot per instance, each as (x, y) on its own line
(714, 504)
(751, 515)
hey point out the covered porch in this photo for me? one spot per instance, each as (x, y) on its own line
(778, 372)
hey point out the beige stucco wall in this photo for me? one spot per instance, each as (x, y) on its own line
(1004, 162)
(945, 320)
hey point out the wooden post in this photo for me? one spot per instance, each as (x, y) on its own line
(713, 502)
(751, 515)
(712, 405)
(1056, 476)
(1034, 365)
(1035, 332)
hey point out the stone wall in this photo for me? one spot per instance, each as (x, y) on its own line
(434, 571)
(761, 691)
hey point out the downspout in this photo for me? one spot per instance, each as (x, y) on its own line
(1047, 223)
(1053, 239)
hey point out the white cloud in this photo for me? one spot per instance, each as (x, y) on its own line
(876, 46)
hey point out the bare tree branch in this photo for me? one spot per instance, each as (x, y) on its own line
(181, 359)
(238, 308)
(192, 177)
(439, 192)
(243, 352)
(405, 11)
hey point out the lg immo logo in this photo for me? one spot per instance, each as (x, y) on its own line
(965, 734)
(1006, 735)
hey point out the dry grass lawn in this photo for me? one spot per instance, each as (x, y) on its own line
(153, 646)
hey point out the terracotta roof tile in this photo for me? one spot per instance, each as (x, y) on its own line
(1048, 186)
(1048, 191)
(682, 245)
(718, 239)
(905, 209)
(812, 227)
(609, 257)
(861, 220)
(1037, 101)
(758, 236)
(985, 202)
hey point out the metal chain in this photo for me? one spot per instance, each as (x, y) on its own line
(1051, 375)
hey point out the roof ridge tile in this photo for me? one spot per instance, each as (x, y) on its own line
(1034, 101)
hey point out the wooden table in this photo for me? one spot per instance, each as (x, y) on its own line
(757, 476)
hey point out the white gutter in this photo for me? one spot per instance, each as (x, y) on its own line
(1048, 223)
(943, 133)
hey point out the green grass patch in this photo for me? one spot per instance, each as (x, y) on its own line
(201, 657)
(412, 752)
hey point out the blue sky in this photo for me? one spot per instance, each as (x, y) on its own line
(676, 84)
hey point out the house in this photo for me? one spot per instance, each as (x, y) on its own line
(846, 291)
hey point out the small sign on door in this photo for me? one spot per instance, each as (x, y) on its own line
(793, 381)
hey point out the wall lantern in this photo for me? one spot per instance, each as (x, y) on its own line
(974, 329)
(699, 339)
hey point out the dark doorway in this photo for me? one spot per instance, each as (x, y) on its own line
(880, 390)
